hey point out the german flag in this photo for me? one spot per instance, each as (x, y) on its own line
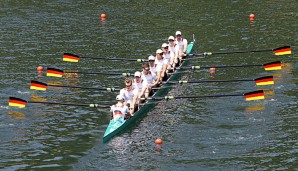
(52, 72)
(272, 66)
(68, 57)
(35, 85)
(16, 102)
(286, 50)
(256, 95)
(264, 80)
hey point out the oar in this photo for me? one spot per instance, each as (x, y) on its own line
(53, 72)
(285, 50)
(268, 66)
(36, 85)
(267, 80)
(255, 95)
(20, 103)
(68, 57)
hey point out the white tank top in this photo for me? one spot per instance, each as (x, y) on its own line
(128, 95)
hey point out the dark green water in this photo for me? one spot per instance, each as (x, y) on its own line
(200, 134)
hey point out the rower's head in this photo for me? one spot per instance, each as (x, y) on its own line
(151, 59)
(128, 82)
(137, 75)
(171, 40)
(119, 98)
(146, 68)
(165, 47)
(178, 34)
(159, 53)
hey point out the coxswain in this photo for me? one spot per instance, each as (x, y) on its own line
(119, 110)
(174, 52)
(161, 66)
(151, 78)
(181, 44)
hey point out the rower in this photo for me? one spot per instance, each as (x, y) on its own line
(150, 77)
(181, 44)
(161, 66)
(139, 85)
(127, 92)
(119, 110)
(174, 52)
(169, 56)
(151, 60)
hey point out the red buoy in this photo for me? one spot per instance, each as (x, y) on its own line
(39, 68)
(252, 16)
(103, 16)
(158, 141)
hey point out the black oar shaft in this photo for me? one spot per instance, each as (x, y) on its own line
(94, 88)
(235, 52)
(99, 73)
(70, 104)
(115, 59)
(207, 81)
(192, 97)
(224, 66)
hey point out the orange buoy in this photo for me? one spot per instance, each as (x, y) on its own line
(158, 141)
(39, 68)
(102, 16)
(252, 16)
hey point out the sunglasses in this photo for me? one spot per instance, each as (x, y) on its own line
(171, 40)
(166, 47)
(146, 69)
(178, 35)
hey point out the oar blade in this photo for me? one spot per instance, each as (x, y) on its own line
(285, 50)
(52, 72)
(272, 66)
(255, 95)
(268, 80)
(17, 102)
(68, 57)
(36, 85)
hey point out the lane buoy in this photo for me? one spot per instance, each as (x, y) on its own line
(39, 68)
(158, 141)
(103, 16)
(252, 16)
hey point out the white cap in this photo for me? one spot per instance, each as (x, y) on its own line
(178, 32)
(137, 74)
(171, 38)
(119, 97)
(159, 51)
(151, 58)
(164, 45)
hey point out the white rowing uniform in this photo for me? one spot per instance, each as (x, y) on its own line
(119, 111)
(150, 77)
(127, 94)
(167, 57)
(139, 86)
(180, 44)
(153, 70)
(159, 64)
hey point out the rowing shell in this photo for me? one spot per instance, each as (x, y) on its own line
(116, 127)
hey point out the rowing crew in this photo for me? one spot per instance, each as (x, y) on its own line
(154, 72)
